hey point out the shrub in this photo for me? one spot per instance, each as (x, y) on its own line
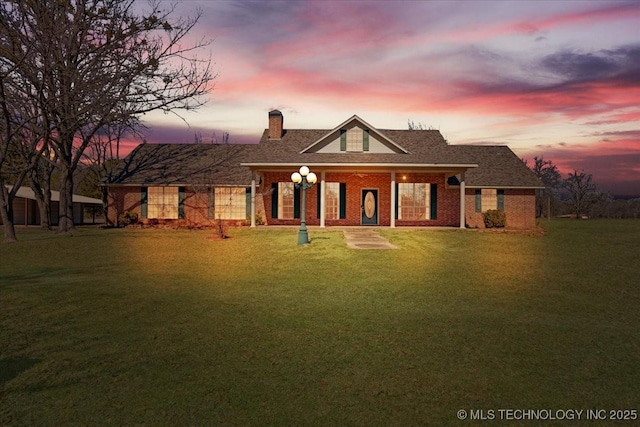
(259, 220)
(127, 218)
(495, 218)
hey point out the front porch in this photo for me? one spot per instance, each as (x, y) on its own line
(418, 197)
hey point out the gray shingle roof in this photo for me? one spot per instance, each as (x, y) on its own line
(423, 146)
(228, 164)
(186, 164)
(498, 166)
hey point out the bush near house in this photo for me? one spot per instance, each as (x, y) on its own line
(127, 218)
(495, 218)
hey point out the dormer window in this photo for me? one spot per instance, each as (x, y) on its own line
(354, 139)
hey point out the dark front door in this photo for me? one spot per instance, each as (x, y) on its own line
(369, 207)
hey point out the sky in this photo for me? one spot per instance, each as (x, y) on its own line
(552, 79)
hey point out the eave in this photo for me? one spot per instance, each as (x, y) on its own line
(431, 167)
(511, 187)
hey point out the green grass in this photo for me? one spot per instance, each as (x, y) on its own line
(154, 327)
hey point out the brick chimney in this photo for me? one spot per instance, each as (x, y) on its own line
(276, 121)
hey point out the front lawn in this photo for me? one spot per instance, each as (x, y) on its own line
(159, 327)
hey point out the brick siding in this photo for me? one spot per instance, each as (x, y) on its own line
(448, 199)
(196, 211)
(519, 206)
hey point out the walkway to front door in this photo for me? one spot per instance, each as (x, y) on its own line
(358, 238)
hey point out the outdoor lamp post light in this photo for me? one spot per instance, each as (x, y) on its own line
(303, 179)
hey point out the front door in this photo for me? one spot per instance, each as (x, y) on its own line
(369, 207)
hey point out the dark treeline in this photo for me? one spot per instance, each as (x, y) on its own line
(577, 195)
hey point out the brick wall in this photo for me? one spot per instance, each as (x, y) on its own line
(448, 199)
(122, 199)
(519, 206)
(196, 211)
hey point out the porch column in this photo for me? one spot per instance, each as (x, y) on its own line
(462, 197)
(253, 201)
(393, 200)
(322, 201)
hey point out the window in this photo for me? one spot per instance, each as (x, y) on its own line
(354, 139)
(230, 203)
(414, 201)
(285, 200)
(335, 200)
(332, 200)
(489, 198)
(162, 202)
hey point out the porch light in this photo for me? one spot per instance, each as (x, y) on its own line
(303, 179)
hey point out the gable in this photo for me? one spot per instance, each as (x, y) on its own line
(354, 136)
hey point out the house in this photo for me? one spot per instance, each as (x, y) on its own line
(86, 210)
(366, 176)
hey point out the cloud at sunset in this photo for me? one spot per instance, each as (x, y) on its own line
(559, 80)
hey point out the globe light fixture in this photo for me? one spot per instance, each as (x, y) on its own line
(312, 178)
(303, 179)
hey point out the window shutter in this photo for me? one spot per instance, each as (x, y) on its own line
(343, 140)
(274, 200)
(318, 201)
(397, 199)
(296, 202)
(181, 197)
(343, 200)
(433, 203)
(478, 200)
(143, 202)
(500, 199)
(248, 202)
(365, 140)
(210, 202)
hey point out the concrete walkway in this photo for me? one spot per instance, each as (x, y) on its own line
(365, 238)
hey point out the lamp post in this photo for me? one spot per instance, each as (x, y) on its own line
(303, 179)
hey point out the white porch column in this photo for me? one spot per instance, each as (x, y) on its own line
(322, 194)
(393, 200)
(253, 202)
(462, 197)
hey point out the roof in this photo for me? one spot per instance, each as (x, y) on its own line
(185, 164)
(426, 147)
(498, 166)
(354, 119)
(27, 193)
(231, 164)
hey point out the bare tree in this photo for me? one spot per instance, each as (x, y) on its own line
(40, 183)
(103, 159)
(418, 126)
(548, 173)
(21, 145)
(580, 187)
(93, 63)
